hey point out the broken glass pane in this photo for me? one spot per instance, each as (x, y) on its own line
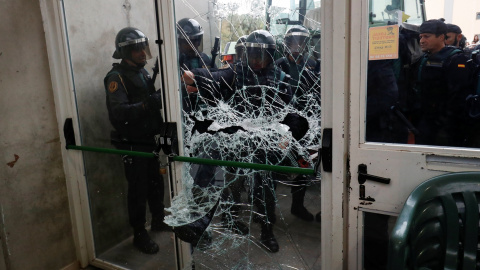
(258, 105)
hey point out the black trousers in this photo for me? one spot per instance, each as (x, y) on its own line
(264, 197)
(145, 184)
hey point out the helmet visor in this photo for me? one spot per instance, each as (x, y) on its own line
(137, 45)
(296, 42)
(258, 56)
(190, 46)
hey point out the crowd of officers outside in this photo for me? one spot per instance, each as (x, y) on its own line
(255, 79)
(428, 95)
(423, 98)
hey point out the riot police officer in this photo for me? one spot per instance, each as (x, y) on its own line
(443, 83)
(261, 85)
(134, 111)
(454, 36)
(306, 87)
(296, 60)
(190, 47)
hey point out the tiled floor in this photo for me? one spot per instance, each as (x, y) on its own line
(299, 243)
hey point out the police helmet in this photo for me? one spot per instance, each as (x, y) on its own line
(130, 39)
(296, 40)
(240, 48)
(260, 48)
(190, 35)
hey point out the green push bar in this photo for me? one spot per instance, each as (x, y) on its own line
(255, 166)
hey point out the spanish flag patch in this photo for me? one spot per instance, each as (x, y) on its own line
(461, 65)
(113, 86)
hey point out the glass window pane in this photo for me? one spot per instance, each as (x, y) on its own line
(422, 77)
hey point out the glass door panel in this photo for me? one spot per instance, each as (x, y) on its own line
(252, 105)
(118, 186)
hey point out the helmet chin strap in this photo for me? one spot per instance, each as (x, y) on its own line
(132, 63)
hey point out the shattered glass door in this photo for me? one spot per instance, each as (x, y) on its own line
(259, 105)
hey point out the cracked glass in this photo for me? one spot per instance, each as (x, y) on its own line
(254, 99)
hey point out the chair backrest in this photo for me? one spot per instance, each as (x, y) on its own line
(438, 225)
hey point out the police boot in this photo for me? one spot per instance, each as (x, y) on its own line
(297, 209)
(158, 225)
(268, 239)
(143, 242)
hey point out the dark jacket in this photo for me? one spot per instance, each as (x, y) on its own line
(192, 102)
(127, 89)
(304, 81)
(241, 84)
(442, 85)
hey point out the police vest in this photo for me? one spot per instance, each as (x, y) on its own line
(138, 87)
(431, 80)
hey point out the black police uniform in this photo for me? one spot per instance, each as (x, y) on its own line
(306, 85)
(304, 80)
(128, 89)
(443, 83)
(192, 103)
(228, 84)
(205, 174)
(383, 125)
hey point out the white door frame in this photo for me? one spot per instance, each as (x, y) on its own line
(64, 99)
(335, 19)
(406, 165)
(170, 72)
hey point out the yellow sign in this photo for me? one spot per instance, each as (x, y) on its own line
(383, 42)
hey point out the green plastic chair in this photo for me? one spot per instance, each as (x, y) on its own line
(438, 225)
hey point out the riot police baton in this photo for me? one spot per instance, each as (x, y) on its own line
(402, 117)
(215, 49)
(155, 71)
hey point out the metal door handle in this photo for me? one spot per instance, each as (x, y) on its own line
(364, 176)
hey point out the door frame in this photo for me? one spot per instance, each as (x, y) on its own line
(64, 100)
(171, 78)
(335, 51)
(423, 162)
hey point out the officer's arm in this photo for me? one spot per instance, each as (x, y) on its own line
(459, 83)
(210, 84)
(188, 77)
(118, 102)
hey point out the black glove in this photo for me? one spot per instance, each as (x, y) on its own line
(153, 105)
(154, 102)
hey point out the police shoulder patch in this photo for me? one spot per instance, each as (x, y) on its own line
(113, 86)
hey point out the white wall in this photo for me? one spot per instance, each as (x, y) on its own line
(35, 226)
(463, 14)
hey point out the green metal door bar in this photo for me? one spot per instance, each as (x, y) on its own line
(111, 151)
(255, 166)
